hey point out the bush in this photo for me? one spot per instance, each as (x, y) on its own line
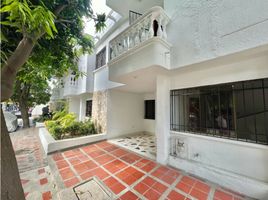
(57, 132)
(41, 119)
(59, 114)
(73, 128)
(67, 120)
(63, 123)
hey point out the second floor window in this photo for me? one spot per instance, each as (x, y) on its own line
(101, 58)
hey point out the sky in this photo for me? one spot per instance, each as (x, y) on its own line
(98, 6)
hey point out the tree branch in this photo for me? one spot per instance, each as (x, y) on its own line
(59, 9)
(64, 20)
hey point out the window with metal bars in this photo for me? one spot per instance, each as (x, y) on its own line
(89, 108)
(234, 110)
(101, 58)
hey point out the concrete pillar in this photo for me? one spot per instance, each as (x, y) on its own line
(82, 108)
(162, 118)
(74, 106)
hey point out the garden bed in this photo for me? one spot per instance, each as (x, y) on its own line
(51, 145)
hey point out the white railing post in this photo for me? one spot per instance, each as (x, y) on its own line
(159, 31)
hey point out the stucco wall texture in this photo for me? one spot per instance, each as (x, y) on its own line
(99, 110)
(202, 30)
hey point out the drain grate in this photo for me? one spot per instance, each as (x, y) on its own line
(92, 189)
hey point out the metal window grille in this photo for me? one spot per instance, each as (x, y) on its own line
(101, 58)
(89, 108)
(236, 111)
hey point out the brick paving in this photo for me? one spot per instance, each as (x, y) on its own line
(36, 177)
(127, 175)
(130, 176)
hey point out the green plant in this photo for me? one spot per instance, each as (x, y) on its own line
(59, 114)
(73, 128)
(57, 132)
(41, 119)
(67, 120)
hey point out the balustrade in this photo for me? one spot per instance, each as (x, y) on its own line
(152, 24)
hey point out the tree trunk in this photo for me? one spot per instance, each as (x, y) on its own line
(24, 114)
(11, 67)
(11, 188)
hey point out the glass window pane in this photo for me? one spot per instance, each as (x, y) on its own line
(266, 97)
(249, 108)
(239, 103)
(250, 128)
(258, 100)
(252, 84)
(260, 123)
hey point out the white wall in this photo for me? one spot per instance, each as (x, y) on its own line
(101, 80)
(149, 124)
(82, 80)
(162, 118)
(236, 165)
(82, 105)
(201, 30)
(229, 69)
(125, 113)
(91, 59)
(74, 105)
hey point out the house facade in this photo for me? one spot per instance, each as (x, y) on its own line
(193, 73)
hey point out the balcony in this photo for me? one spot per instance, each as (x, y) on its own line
(142, 45)
(71, 86)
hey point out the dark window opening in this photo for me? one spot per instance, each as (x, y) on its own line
(149, 109)
(101, 58)
(89, 108)
(235, 110)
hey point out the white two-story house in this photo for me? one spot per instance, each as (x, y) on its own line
(194, 73)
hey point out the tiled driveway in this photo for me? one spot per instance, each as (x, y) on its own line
(130, 176)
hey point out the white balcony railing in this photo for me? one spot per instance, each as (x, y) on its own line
(71, 85)
(152, 24)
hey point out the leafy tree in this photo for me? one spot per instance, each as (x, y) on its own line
(30, 26)
(28, 93)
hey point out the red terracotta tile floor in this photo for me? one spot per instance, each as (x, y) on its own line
(130, 176)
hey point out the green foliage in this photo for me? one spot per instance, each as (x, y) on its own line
(29, 19)
(73, 128)
(59, 114)
(56, 131)
(67, 120)
(65, 124)
(41, 119)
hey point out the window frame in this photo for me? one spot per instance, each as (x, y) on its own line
(147, 114)
(89, 111)
(101, 58)
(260, 134)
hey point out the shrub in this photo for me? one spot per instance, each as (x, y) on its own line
(63, 123)
(41, 119)
(59, 114)
(57, 132)
(67, 120)
(73, 128)
(90, 127)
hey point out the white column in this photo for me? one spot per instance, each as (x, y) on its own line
(81, 109)
(162, 118)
